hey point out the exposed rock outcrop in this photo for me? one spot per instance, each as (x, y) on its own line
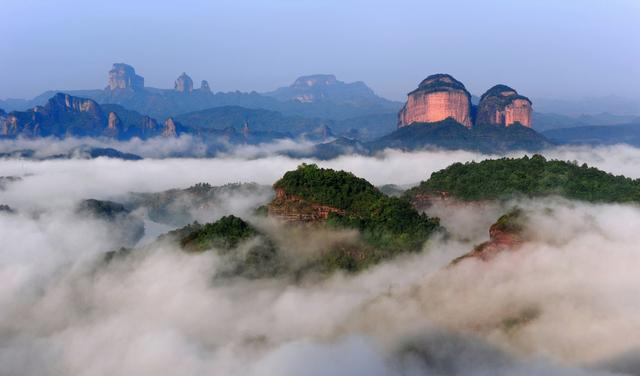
(184, 84)
(61, 102)
(291, 208)
(502, 105)
(123, 76)
(438, 97)
(69, 116)
(170, 128)
(320, 88)
(113, 124)
(204, 86)
(507, 234)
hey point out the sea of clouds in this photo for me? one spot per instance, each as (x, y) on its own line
(160, 312)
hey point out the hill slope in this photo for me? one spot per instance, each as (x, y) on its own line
(508, 177)
(448, 134)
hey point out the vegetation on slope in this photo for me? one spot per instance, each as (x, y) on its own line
(387, 224)
(226, 235)
(536, 176)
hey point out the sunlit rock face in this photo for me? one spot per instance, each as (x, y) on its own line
(438, 97)
(291, 208)
(170, 128)
(123, 76)
(502, 105)
(113, 124)
(184, 84)
(60, 103)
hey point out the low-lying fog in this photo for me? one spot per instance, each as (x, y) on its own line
(565, 304)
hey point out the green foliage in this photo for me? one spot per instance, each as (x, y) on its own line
(508, 177)
(339, 189)
(226, 233)
(107, 210)
(260, 259)
(386, 223)
(510, 222)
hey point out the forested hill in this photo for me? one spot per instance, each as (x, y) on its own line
(529, 176)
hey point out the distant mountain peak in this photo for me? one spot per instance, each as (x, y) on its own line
(316, 80)
(184, 83)
(123, 76)
(327, 88)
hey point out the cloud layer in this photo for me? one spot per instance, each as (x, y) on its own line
(565, 304)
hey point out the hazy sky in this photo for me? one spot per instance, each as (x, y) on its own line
(543, 48)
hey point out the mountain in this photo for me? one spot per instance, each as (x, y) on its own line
(126, 88)
(80, 152)
(612, 104)
(449, 134)
(506, 178)
(245, 250)
(178, 207)
(327, 88)
(548, 121)
(597, 135)
(64, 115)
(387, 225)
(254, 124)
(438, 97)
(502, 105)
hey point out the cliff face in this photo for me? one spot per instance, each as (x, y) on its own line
(291, 208)
(65, 103)
(204, 86)
(113, 125)
(68, 116)
(326, 88)
(123, 76)
(507, 234)
(184, 84)
(502, 105)
(438, 97)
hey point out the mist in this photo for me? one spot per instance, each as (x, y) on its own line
(159, 311)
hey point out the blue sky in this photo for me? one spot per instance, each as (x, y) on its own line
(555, 49)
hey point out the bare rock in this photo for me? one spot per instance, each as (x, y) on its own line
(123, 76)
(113, 124)
(438, 97)
(502, 105)
(170, 128)
(184, 84)
(204, 86)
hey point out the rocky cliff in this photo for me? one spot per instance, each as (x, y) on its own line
(438, 97)
(507, 234)
(49, 120)
(326, 88)
(204, 86)
(67, 116)
(184, 84)
(292, 208)
(123, 76)
(502, 105)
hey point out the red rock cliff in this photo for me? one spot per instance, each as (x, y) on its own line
(438, 97)
(292, 208)
(507, 234)
(502, 105)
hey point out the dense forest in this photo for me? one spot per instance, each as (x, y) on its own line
(529, 176)
(385, 222)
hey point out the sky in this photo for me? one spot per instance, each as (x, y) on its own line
(568, 49)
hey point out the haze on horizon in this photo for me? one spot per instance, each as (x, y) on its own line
(568, 50)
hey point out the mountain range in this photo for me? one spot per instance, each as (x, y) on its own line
(339, 117)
